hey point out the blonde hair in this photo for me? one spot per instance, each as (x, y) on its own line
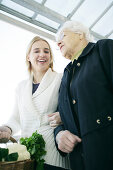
(37, 38)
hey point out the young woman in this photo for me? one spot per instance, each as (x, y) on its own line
(36, 100)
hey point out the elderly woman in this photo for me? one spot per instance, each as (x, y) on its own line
(36, 102)
(86, 99)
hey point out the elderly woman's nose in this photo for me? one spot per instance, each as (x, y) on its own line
(59, 43)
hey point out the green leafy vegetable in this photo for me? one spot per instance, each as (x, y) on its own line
(3, 153)
(12, 157)
(5, 156)
(36, 147)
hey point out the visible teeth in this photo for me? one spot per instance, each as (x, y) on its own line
(41, 60)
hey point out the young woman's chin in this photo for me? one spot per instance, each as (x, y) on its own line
(42, 68)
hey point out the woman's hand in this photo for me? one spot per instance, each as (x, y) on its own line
(5, 133)
(67, 141)
(54, 119)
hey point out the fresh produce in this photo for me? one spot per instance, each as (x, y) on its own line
(5, 156)
(36, 147)
(12, 157)
(23, 154)
(14, 152)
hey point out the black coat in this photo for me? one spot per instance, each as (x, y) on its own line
(86, 106)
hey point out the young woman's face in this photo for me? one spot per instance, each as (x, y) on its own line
(39, 56)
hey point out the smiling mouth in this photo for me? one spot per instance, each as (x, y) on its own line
(42, 61)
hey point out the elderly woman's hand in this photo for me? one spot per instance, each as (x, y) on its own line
(54, 119)
(5, 133)
(67, 141)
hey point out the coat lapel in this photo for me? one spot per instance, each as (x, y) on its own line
(28, 102)
(27, 98)
(45, 83)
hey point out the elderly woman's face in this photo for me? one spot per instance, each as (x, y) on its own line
(68, 43)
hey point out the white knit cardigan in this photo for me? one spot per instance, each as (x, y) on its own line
(30, 113)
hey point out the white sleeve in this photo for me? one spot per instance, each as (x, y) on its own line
(14, 120)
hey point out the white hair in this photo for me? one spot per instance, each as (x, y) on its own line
(75, 27)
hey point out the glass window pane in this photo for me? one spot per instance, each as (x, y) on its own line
(105, 25)
(89, 11)
(17, 8)
(111, 36)
(39, 1)
(47, 21)
(63, 7)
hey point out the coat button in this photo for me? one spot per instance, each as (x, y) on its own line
(98, 121)
(78, 64)
(74, 101)
(109, 118)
